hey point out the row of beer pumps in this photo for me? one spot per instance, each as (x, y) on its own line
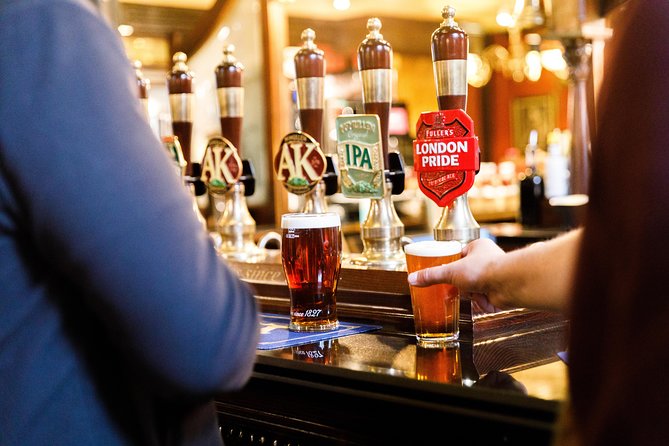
(446, 155)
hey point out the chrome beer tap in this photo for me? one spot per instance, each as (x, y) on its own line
(180, 90)
(382, 231)
(310, 83)
(232, 219)
(449, 59)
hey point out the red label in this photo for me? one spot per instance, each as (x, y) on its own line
(446, 154)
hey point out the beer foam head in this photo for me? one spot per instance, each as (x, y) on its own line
(433, 248)
(308, 221)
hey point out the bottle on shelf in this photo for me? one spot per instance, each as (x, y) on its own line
(556, 166)
(531, 186)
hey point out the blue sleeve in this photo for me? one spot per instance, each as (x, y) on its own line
(104, 207)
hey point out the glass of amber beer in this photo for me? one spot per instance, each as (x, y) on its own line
(436, 308)
(311, 248)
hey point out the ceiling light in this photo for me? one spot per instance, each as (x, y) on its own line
(125, 30)
(341, 5)
(223, 33)
(505, 19)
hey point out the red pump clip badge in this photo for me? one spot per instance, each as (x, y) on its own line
(445, 154)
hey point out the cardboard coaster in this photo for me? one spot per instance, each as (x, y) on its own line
(274, 332)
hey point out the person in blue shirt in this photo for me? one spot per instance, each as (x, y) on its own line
(118, 322)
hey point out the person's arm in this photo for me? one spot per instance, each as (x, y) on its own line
(103, 211)
(538, 276)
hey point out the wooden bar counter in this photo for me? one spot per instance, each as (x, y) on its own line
(502, 384)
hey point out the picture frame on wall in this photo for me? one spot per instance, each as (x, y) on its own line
(533, 113)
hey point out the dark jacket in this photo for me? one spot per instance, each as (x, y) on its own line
(619, 352)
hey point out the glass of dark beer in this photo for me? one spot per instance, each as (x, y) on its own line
(311, 248)
(436, 308)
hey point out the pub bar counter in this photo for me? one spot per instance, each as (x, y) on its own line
(503, 383)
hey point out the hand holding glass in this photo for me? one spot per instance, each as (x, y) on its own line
(436, 308)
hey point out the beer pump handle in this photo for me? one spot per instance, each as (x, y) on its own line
(230, 96)
(180, 89)
(309, 80)
(310, 84)
(143, 86)
(375, 57)
(449, 58)
(230, 91)
(375, 65)
(450, 45)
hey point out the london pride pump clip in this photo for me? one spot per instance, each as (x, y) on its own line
(446, 154)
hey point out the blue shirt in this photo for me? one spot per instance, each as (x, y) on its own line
(118, 322)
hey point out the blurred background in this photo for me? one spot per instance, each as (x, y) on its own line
(519, 81)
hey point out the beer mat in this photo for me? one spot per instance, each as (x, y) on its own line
(274, 332)
(564, 356)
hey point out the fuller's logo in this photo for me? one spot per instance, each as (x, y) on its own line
(446, 154)
(360, 156)
(300, 163)
(221, 165)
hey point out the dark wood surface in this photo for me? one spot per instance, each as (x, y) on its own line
(503, 383)
(367, 389)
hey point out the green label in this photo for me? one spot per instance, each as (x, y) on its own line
(360, 156)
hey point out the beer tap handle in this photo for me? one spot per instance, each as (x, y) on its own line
(180, 89)
(449, 58)
(310, 80)
(230, 97)
(310, 84)
(450, 45)
(143, 85)
(375, 65)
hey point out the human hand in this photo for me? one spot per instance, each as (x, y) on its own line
(471, 275)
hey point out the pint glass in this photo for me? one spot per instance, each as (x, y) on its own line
(311, 257)
(436, 308)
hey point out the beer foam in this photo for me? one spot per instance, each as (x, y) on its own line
(433, 248)
(308, 221)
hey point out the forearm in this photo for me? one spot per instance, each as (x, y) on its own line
(538, 276)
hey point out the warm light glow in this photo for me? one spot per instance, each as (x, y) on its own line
(125, 30)
(223, 33)
(533, 65)
(552, 59)
(518, 7)
(289, 61)
(139, 43)
(505, 19)
(478, 70)
(341, 5)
